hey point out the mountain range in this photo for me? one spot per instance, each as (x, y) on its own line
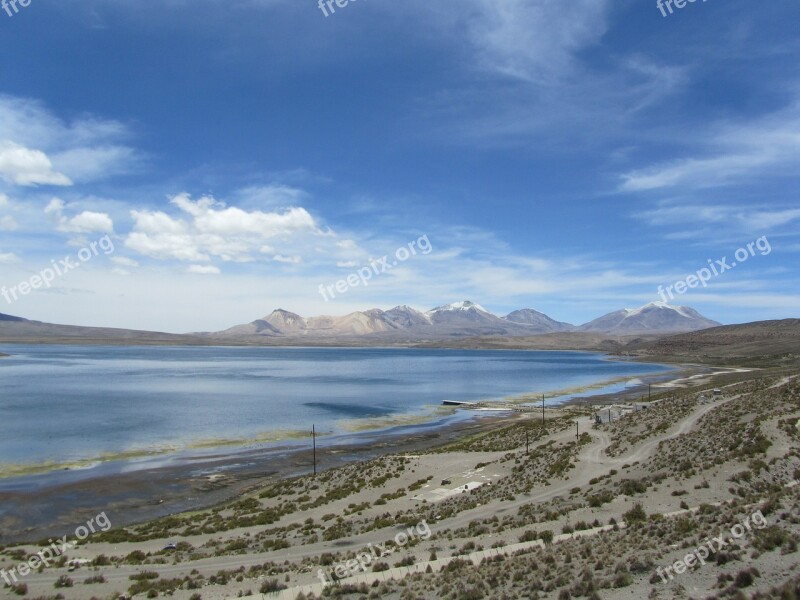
(447, 324)
(465, 319)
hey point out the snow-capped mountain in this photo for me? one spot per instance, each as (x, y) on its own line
(656, 317)
(461, 312)
(405, 316)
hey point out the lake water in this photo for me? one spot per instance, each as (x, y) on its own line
(62, 405)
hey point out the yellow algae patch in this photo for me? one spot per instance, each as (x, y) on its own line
(534, 397)
(370, 423)
(20, 470)
(263, 438)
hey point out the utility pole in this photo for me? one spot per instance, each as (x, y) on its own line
(542, 410)
(526, 442)
(577, 436)
(648, 392)
(314, 440)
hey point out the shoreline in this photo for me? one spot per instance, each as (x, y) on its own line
(145, 495)
(438, 416)
(188, 483)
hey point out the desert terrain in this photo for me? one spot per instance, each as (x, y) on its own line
(568, 508)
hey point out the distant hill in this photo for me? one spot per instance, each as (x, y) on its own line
(9, 318)
(539, 321)
(761, 339)
(17, 330)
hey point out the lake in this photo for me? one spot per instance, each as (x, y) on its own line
(65, 405)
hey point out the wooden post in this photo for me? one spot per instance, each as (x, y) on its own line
(314, 440)
(542, 410)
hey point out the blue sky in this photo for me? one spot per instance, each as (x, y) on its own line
(565, 156)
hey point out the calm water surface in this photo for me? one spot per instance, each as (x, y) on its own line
(70, 403)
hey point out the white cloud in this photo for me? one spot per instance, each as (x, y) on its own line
(55, 206)
(8, 258)
(727, 153)
(271, 195)
(532, 40)
(89, 164)
(3, 200)
(699, 215)
(88, 222)
(768, 219)
(214, 229)
(164, 245)
(347, 264)
(26, 167)
(85, 222)
(203, 270)
(42, 149)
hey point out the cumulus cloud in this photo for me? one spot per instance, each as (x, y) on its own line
(26, 167)
(209, 228)
(85, 222)
(8, 258)
(88, 222)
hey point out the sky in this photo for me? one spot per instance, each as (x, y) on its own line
(191, 165)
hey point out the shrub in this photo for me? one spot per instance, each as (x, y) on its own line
(271, 585)
(635, 515)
